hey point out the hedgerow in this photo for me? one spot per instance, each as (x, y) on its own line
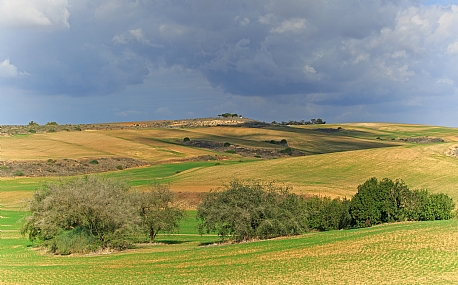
(252, 210)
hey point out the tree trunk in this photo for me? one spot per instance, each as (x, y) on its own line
(152, 235)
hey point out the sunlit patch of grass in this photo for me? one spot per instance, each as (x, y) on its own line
(404, 253)
(339, 174)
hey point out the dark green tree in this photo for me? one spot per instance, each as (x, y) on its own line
(423, 206)
(379, 202)
(326, 214)
(387, 201)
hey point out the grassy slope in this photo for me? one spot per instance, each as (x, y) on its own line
(408, 253)
(404, 253)
(340, 173)
(350, 156)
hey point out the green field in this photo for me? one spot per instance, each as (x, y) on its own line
(404, 253)
(337, 162)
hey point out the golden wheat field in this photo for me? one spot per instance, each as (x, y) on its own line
(337, 158)
(335, 164)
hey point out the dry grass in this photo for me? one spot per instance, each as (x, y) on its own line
(357, 156)
(405, 253)
(139, 145)
(339, 174)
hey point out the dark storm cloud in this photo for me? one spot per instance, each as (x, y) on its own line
(333, 58)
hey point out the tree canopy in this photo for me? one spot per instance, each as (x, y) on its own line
(253, 210)
(247, 210)
(85, 214)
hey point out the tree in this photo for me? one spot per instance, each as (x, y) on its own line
(379, 202)
(387, 201)
(319, 121)
(247, 210)
(98, 210)
(326, 214)
(441, 206)
(423, 206)
(158, 211)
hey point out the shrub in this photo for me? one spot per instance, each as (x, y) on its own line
(89, 213)
(102, 209)
(387, 201)
(32, 131)
(76, 240)
(441, 206)
(283, 141)
(94, 161)
(18, 173)
(231, 151)
(247, 210)
(226, 144)
(287, 150)
(378, 202)
(186, 139)
(326, 214)
(119, 167)
(423, 206)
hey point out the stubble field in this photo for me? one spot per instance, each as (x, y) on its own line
(337, 161)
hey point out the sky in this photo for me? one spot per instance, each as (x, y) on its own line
(86, 61)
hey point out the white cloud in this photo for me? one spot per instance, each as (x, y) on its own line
(163, 111)
(128, 113)
(172, 30)
(34, 13)
(446, 81)
(309, 69)
(398, 54)
(266, 19)
(452, 48)
(134, 35)
(361, 57)
(293, 25)
(393, 72)
(243, 22)
(7, 70)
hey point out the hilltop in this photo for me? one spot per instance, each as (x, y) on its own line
(8, 130)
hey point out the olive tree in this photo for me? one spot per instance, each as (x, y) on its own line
(158, 211)
(247, 210)
(92, 209)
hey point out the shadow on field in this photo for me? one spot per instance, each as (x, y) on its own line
(173, 241)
